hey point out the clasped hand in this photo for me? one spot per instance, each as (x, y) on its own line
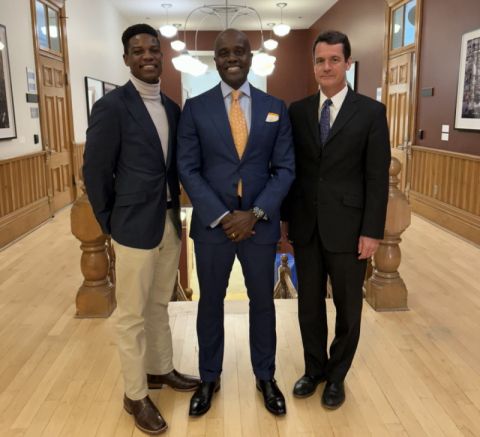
(238, 225)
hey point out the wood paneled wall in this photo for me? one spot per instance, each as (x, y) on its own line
(445, 188)
(23, 195)
(78, 149)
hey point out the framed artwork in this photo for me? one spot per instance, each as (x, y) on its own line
(7, 114)
(94, 92)
(467, 113)
(352, 76)
(107, 87)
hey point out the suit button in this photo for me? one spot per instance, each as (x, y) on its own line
(321, 179)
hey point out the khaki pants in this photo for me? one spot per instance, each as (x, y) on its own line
(144, 286)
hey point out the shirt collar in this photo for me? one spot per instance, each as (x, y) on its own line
(227, 89)
(337, 99)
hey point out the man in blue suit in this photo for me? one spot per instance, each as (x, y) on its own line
(131, 180)
(235, 160)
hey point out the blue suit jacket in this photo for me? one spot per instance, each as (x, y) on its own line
(125, 172)
(209, 166)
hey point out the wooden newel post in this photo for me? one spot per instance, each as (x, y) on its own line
(96, 296)
(386, 290)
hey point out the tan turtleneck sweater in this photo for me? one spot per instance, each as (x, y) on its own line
(150, 94)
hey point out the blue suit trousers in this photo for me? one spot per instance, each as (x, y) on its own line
(214, 265)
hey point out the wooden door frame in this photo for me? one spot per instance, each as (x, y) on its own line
(415, 50)
(412, 48)
(68, 92)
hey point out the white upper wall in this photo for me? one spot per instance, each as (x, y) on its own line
(94, 29)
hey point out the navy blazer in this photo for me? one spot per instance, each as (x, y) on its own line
(209, 166)
(125, 171)
(341, 187)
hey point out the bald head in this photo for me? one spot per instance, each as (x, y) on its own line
(231, 32)
(233, 57)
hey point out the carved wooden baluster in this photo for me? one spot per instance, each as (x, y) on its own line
(386, 290)
(180, 293)
(96, 296)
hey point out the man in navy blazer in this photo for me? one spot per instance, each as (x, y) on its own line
(131, 180)
(236, 199)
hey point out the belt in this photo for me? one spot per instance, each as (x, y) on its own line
(169, 204)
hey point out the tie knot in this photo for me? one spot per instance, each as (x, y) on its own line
(327, 103)
(236, 94)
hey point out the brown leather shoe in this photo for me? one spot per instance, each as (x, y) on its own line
(176, 380)
(146, 414)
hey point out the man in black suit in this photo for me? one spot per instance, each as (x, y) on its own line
(131, 180)
(335, 210)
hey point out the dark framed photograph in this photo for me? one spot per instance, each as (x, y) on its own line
(7, 114)
(467, 113)
(94, 91)
(352, 76)
(107, 87)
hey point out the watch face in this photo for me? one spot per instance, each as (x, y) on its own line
(259, 213)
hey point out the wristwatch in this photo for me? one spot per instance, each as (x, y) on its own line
(259, 213)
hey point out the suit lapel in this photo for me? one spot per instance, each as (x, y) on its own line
(171, 129)
(312, 122)
(215, 106)
(347, 110)
(260, 107)
(139, 112)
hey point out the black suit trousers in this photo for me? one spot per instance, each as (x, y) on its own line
(314, 264)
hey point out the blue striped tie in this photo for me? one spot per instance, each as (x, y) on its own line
(325, 121)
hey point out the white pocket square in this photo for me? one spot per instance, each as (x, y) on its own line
(272, 117)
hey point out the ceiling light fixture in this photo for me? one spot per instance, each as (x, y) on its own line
(281, 29)
(262, 63)
(177, 45)
(168, 30)
(270, 43)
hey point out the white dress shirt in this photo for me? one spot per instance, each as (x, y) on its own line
(337, 102)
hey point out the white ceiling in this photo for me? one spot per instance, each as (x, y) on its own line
(299, 14)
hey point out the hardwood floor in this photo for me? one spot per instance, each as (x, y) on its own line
(416, 373)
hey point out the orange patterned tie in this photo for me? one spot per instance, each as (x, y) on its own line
(238, 124)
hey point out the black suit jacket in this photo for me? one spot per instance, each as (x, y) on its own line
(343, 186)
(125, 171)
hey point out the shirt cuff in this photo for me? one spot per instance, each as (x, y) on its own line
(215, 223)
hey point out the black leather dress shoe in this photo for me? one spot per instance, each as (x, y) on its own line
(176, 380)
(146, 415)
(202, 398)
(333, 395)
(306, 386)
(272, 396)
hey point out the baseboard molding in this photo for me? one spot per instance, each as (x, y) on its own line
(454, 219)
(23, 220)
